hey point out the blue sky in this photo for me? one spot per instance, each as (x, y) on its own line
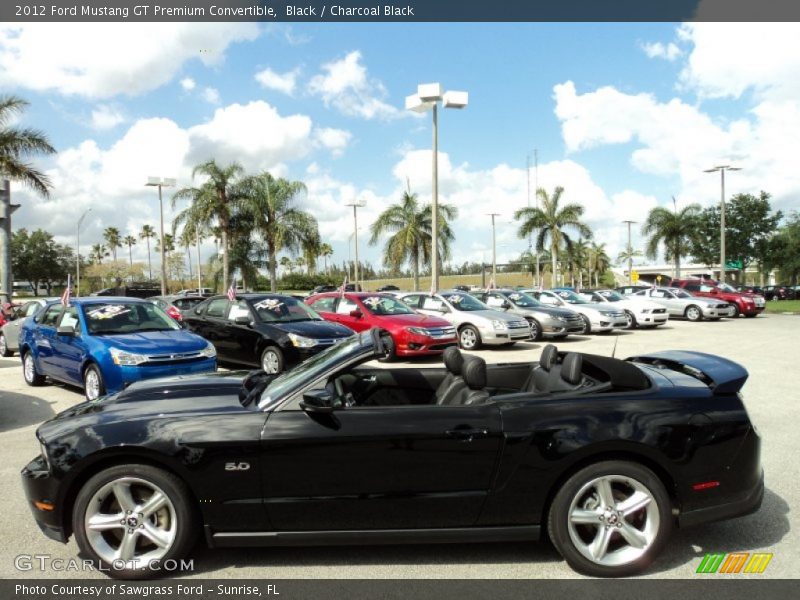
(623, 116)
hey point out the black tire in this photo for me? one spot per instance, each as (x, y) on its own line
(272, 361)
(632, 324)
(652, 523)
(173, 488)
(390, 350)
(93, 384)
(587, 326)
(536, 330)
(4, 351)
(693, 313)
(473, 338)
(29, 373)
(736, 311)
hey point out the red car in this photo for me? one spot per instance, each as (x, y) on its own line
(413, 334)
(7, 310)
(743, 303)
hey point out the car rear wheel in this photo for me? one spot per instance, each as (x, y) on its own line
(630, 319)
(587, 325)
(536, 330)
(128, 517)
(469, 338)
(4, 351)
(93, 384)
(32, 377)
(610, 519)
(272, 360)
(693, 313)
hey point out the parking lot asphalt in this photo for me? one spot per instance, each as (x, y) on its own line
(767, 346)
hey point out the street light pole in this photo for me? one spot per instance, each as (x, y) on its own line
(161, 183)
(428, 97)
(356, 206)
(630, 253)
(78, 253)
(494, 251)
(722, 169)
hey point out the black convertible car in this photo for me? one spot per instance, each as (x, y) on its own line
(604, 456)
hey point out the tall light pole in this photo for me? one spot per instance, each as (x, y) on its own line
(161, 183)
(428, 97)
(356, 205)
(78, 252)
(630, 253)
(494, 250)
(722, 169)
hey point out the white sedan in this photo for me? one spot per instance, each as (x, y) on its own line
(639, 311)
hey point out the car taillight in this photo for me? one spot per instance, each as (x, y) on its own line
(175, 313)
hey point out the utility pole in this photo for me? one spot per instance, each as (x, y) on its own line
(494, 250)
(78, 252)
(6, 210)
(356, 205)
(159, 183)
(722, 169)
(630, 252)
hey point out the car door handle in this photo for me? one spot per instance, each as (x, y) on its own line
(466, 435)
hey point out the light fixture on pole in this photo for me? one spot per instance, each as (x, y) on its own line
(160, 182)
(630, 252)
(428, 97)
(722, 169)
(356, 204)
(78, 253)
(494, 250)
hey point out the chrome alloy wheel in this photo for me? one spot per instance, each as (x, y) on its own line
(613, 520)
(29, 368)
(270, 363)
(130, 520)
(92, 385)
(468, 338)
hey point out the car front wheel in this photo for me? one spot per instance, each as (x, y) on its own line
(130, 518)
(536, 330)
(469, 338)
(631, 320)
(693, 313)
(587, 325)
(272, 360)
(736, 312)
(93, 384)
(611, 519)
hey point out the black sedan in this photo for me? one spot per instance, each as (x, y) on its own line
(602, 456)
(270, 331)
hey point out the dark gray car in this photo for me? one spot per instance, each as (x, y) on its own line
(545, 321)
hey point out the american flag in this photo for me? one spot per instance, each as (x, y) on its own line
(491, 284)
(343, 288)
(65, 296)
(232, 290)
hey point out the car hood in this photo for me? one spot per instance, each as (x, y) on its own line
(552, 311)
(636, 304)
(155, 342)
(316, 330)
(413, 320)
(492, 315)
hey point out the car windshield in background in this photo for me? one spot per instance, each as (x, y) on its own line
(570, 297)
(679, 293)
(283, 309)
(610, 296)
(187, 303)
(726, 287)
(465, 302)
(115, 318)
(523, 300)
(385, 305)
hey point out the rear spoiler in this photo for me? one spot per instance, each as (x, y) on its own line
(720, 374)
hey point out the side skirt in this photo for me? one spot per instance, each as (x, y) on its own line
(372, 536)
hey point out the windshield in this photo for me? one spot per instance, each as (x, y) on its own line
(523, 300)
(726, 287)
(679, 293)
(385, 305)
(610, 296)
(570, 297)
(114, 318)
(282, 309)
(464, 302)
(312, 368)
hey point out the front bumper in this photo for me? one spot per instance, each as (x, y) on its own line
(40, 486)
(117, 378)
(609, 324)
(496, 337)
(716, 313)
(651, 319)
(555, 328)
(423, 345)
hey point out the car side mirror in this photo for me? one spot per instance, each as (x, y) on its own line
(242, 320)
(506, 305)
(319, 401)
(356, 314)
(66, 330)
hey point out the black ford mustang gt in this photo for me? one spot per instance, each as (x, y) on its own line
(604, 456)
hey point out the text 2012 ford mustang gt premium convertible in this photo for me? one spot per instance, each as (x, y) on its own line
(605, 456)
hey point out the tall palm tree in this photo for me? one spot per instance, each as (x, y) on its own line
(169, 243)
(311, 249)
(674, 229)
(130, 241)
(597, 261)
(17, 143)
(212, 203)
(270, 204)
(98, 253)
(411, 225)
(147, 233)
(325, 251)
(287, 264)
(549, 221)
(627, 256)
(113, 239)
(577, 258)
(300, 262)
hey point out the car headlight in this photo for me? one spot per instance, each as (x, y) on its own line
(127, 359)
(606, 313)
(299, 341)
(209, 351)
(417, 331)
(498, 324)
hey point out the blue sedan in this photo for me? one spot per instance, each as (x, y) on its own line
(103, 344)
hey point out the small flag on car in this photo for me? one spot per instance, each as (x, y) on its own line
(65, 296)
(343, 288)
(232, 290)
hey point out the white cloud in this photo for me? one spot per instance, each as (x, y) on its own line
(188, 84)
(335, 140)
(211, 95)
(280, 82)
(668, 51)
(88, 57)
(105, 116)
(345, 85)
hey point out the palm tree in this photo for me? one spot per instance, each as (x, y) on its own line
(98, 253)
(674, 229)
(325, 250)
(17, 143)
(130, 241)
(212, 203)
(147, 233)
(269, 203)
(113, 239)
(287, 264)
(411, 226)
(597, 261)
(549, 221)
(311, 250)
(300, 262)
(169, 244)
(627, 256)
(577, 258)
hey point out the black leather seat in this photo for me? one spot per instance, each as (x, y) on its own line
(570, 374)
(541, 374)
(474, 374)
(453, 381)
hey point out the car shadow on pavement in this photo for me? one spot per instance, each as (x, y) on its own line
(21, 410)
(758, 531)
